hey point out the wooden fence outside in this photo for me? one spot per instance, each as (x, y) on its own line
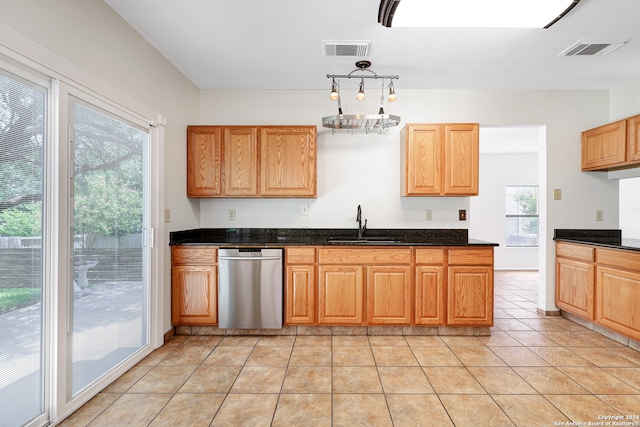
(22, 267)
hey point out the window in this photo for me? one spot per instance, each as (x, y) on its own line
(521, 216)
(23, 116)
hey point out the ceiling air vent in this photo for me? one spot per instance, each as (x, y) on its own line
(592, 48)
(360, 48)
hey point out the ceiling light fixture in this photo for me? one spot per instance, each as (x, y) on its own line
(473, 13)
(366, 122)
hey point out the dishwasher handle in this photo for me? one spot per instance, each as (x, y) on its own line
(245, 258)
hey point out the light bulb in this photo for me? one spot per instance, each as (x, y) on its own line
(360, 95)
(334, 91)
(392, 94)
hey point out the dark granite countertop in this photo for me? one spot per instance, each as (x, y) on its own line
(280, 237)
(604, 238)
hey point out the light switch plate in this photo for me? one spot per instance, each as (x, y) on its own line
(557, 194)
(304, 221)
(304, 208)
(231, 214)
(462, 215)
(429, 214)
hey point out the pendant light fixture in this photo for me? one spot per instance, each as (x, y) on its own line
(366, 122)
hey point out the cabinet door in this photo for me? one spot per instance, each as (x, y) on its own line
(470, 296)
(240, 166)
(194, 295)
(389, 295)
(341, 295)
(574, 287)
(423, 160)
(604, 146)
(288, 161)
(203, 161)
(429, 295)
(633, 139)
(618, 301)
(461, 159)
(300, 297)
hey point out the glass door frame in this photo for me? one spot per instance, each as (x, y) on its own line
(62, 257)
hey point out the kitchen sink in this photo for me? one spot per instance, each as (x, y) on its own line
(363, 241)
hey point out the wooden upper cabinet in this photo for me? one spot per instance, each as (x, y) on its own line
(240, 167)
(441, 159)
(423, 155)
(612, 146)
(204, 160)
(251, 161)
(461, 157)
(633, 139)
(604, 146)
(288, 161)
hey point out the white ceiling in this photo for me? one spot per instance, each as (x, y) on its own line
(278, 44)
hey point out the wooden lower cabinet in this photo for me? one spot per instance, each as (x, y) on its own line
(300, 286)
(430, 308)
(601, 285)
(341, 295)
(300, 295)
(575, 287)
(618, 300)
(194, 285)
(470, 287)
(430, 286)
(470, 296)
(389, 298)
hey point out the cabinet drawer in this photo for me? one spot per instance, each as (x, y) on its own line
(365, 256)
(476, 256)
(194, 255)
(301, 255)
(570, 250)
(627, 260)
(431, 256)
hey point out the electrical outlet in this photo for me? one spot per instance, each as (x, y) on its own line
(462, 215)
(304, 209)
(429, 214)
(557, 194)
(231, 214)
(599, 215)
(304, 221)
(167, 215)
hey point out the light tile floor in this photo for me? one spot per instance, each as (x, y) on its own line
(531, 371)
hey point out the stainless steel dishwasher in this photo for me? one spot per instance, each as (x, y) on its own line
(250, 288)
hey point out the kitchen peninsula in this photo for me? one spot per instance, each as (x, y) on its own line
(409, 281)
(598, 281)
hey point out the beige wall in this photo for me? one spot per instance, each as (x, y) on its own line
(90, 35)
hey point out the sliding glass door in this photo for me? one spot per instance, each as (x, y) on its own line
(109, 248)
(22, 339)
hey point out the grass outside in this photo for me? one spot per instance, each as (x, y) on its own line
(15, 298)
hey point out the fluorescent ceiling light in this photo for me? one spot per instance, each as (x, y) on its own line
(475, 13)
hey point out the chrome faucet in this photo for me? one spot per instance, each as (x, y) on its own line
(361, 228)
